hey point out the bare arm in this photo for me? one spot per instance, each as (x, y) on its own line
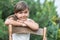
(12, 22)
(31, 24)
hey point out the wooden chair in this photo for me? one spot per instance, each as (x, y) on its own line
(41, 31)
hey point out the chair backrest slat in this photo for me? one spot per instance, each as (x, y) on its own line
(41, 31)
(27, 30)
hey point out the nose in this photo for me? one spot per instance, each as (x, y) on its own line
(23, 15)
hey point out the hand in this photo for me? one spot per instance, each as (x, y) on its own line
(28, 22)
(22, 23)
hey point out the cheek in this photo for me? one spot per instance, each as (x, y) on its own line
(18, 15)
(27, 14)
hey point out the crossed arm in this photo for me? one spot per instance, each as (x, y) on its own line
(29, 23)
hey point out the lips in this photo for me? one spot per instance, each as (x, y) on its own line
(23, 18)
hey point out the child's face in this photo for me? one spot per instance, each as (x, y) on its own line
(22, 15)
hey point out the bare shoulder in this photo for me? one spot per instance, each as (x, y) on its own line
(31, 20)
(11, 17)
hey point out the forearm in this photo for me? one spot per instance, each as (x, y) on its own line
(33, 26)
(15, 23)
(12, 22)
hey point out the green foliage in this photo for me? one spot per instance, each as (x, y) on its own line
(52, 32)
(3, 30)
(58, 36)
(44, 14)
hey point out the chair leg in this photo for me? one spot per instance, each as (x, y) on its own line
(10, 32)
(44, 34)
(45, 38)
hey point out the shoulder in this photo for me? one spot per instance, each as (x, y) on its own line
(12, 17)
(30, 19)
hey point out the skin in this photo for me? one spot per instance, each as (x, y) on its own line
(22, 20)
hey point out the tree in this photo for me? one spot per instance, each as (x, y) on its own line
(44, 14)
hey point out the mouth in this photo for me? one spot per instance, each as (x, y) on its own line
(23, 19)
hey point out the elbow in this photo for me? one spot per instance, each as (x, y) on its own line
(6, 23)
(36, 28)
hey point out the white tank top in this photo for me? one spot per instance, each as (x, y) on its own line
(20, 36)
(16, 36)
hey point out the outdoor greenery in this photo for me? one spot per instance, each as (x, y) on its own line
(44, 14)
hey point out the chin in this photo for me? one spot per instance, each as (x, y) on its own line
(24, 19)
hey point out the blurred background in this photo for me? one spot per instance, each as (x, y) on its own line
(44, 12)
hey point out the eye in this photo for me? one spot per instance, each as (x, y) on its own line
(25, 12)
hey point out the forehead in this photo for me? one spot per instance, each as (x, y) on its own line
(26, 10)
